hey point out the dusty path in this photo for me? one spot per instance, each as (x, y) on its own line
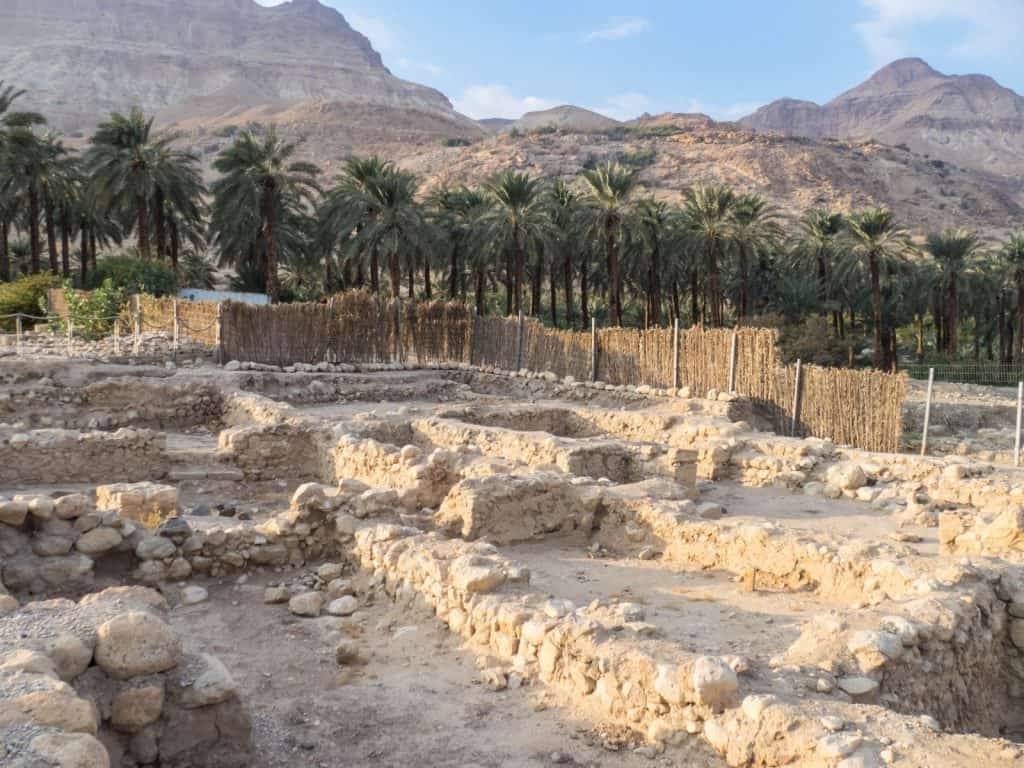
(417, 701)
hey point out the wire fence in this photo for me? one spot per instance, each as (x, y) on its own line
(984, 373)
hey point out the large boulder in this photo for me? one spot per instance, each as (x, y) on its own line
(136, 644)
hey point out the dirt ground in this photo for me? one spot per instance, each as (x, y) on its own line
(416, 702)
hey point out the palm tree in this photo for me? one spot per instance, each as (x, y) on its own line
(347, 208)
(514, 224)
(29, 160)
(709, 220)
(952, 249)
(757, 231)
(655, 228)
(133, 172)
(565, 211)
(817, 245)
(456, 211)
(259, 181)
(876, 238)
(608, 190)
(1012, 254)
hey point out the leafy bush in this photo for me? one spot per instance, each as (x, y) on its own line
(133, 275)
(639, 159)
(457, 142)
(544, 130)
(24, 296)
(92, 314)
(196, 271)
(227, 132)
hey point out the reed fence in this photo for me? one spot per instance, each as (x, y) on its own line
(851, 407)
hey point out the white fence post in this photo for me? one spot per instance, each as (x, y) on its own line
(17, 334)
(71, 335)
(218, 330)
(927, 412)
(138, 325)
(1020, 417)
(117, 336)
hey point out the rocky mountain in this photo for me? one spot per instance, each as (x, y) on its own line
(674, 152)
(210, 63)
(969, 120)
(566, 117)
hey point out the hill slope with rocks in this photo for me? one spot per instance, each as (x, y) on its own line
(969, 120)
(673, 152)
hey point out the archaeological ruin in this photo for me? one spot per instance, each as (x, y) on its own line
(328, 562)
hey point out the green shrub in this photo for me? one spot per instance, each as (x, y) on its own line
(92, 314)
(133, 275)
(24, 296)
(639, 159)
(457, 142)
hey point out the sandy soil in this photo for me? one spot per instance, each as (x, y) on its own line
(416, 702)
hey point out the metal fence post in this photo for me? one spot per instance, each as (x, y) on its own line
(927, 412)
(675, 354)
(17, 335)
(797, 397)
(593, 349)
(117, 336)
(1020, 417)
(519, 343)
(138, 324)
(732, 361)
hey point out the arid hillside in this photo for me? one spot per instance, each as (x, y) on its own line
(674, 152)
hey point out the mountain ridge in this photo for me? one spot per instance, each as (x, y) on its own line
(970, 120)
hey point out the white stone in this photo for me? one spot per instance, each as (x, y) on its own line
(343, 606)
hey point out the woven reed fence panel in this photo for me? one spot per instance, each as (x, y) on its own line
(850, 407)
(618, 356)
(494, 342)
(657, 358)
(565, 353)
(437, 332)
(362, 329)
(197, 320)
(277, 335)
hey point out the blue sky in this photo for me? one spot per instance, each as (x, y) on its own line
(724, 58)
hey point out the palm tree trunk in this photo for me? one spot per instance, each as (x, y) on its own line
(412, 280)
(374, 271)
(953, 320)
(716, 289)
(51, 230)
(508, 283)
(273, 288)
(876, 313)
(822, 281)
(614, 291)
(33, 227)
(570, 315)
(84, 260)
(1020, 315)
(395, 269)
(519, 265)
(5, 253)
(695, 317)
(92, 248)
(428, 290)
(553, 292)
(744, 286)
(536, 286)
(584, 293)
(676, 308)
(159, 224)
(654, 286)
(142, 230)
(453, 274)
(919, 322)
(65, 249)
(479, 291)
(175, 244)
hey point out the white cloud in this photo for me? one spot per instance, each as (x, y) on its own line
(624, 106)
(480, 101)
(383, 37)
(723, 111)
(987, 27)
(617, 29)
